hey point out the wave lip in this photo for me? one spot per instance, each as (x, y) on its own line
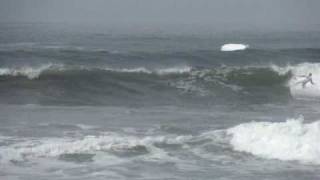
(35, 72)
(234, 47)
(29, 72)
(292, 140)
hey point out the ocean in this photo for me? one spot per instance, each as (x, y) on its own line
(79, 103)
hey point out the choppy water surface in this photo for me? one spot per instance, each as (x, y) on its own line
(86, 105)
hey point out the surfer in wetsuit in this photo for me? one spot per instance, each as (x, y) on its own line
(307, 79)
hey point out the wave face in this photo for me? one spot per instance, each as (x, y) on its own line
(56, 83)
(292, 140)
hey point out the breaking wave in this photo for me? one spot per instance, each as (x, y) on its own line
(56, 81)
(240, 75)
(63, 84)
(292, 140)
(301, 70)
(27, 71)
(35, 72)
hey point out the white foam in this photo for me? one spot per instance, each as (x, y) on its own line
(290, 140)
(35, 72)
(174, 70)
(54, 147)
(234, 47)
(135, 70)
(161, 71)
(298, 70)
(29, 72)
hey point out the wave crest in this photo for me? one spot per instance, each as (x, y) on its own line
(27, 71)
(36, 72)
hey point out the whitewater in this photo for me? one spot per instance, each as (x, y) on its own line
(291, 140)
(234, 47)
(77, 104)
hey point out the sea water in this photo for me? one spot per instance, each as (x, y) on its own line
(78, 104)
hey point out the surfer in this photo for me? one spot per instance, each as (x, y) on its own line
(308, 78)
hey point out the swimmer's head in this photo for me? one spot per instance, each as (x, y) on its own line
(310, 74)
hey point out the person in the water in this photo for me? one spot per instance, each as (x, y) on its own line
(308, 78)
